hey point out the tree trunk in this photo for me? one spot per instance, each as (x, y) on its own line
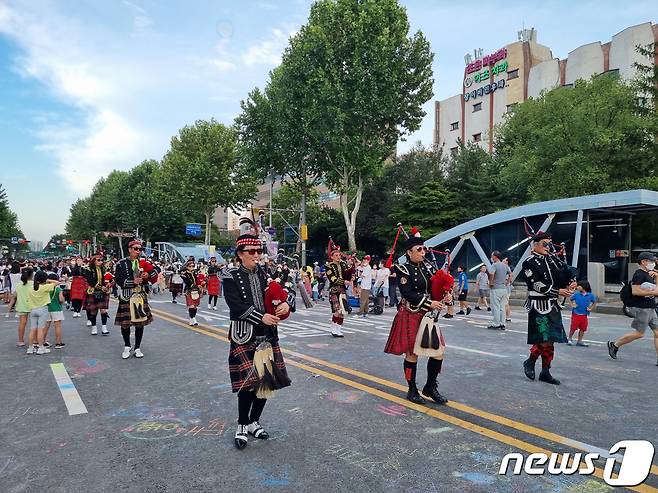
(120, 244)
(350, 216)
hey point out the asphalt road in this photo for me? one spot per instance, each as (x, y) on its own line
(166, 422)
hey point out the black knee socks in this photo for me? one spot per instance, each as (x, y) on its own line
(410, 373)
(92, 319)
(433, 370)
(125, 333)
(250, 407)
(192, 312)
(212, 300)
(104, 318)
(77, 305)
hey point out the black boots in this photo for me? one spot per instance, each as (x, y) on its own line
(529, 368)
(545, 376)
(432, 392)
(414, 396)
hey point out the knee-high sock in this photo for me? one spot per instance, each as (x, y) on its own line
(245, 400)
(92, 318)
(535, 352)
(410, 373)
(125, 333)
(191, 312)
(139, 332)
(256, 409)
(77, 305)
(104, 318)
(433, 370)
(547, 355)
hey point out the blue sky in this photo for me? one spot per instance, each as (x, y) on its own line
(91, 86)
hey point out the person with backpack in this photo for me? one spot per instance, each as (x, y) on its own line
(640, 297)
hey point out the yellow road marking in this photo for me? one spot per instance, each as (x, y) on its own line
(492, 434)
(510, 423)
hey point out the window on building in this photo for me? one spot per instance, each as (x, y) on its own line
(454, 126)
(477, 137)
(453, 150)
(513, 74)
(477, 107)
(510, 107)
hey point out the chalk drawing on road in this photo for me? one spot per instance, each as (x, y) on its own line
(345, 396)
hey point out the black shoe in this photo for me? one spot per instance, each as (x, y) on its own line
(501, 327)
(494, 327)
(545, 376)
(612, 350)
(461, 312)
(241, 438)
(529, 369)
(488, 308)
(414, 396)
(447, 315)
(433, 394)
(478, 308)
(468, 311)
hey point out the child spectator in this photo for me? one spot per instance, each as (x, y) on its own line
(582, 303)
(55, 313)
(19, 302)
(38, 299)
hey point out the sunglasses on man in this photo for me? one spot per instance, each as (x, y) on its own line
(254, 251)
(420, 249)
(137, 249)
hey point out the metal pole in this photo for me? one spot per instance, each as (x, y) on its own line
(271, 193)
(576, 241)
(303, 222)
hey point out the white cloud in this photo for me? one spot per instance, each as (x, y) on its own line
(269, 51)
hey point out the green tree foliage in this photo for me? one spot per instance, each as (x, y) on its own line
(203, 170)
(8, 219)
(576, 141)
(360, 82)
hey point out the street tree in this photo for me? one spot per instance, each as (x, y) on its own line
(204, 170)
(360, 81)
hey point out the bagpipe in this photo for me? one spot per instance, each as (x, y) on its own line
(441, 282)
(566, 273)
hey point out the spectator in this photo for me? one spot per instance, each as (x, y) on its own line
(641, 304)
(508, 306)
(482, 286)
(55, 313)
(499, 275)
(393, 289)
(462, 291)
(582, 303)
(365, 282)
(381, 281)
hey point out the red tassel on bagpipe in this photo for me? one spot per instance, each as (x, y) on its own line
(389, 262)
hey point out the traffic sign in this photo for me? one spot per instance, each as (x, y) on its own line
(14, 240)
(193, 229)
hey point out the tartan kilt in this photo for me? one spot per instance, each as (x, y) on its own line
(402, 337)
(334, 298)
(213, 286)
(241, 364)
(122, 318)
(190, 302)
(92, 305)
(78, 288)
(175, 288)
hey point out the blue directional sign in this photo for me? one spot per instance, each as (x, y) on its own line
(193, 229)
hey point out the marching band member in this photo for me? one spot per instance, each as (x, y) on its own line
(193, 283)
(97, 295)
(547, 278)
(414, 329)
(256, 364)
(338, 272)
(214, 285)
(132, 278)
(78, 287)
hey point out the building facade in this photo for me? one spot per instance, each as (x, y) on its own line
(495, 82)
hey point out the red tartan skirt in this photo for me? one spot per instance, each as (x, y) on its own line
(241, 364)
(92, 305)
(78, 288)
(214, 286)
(190, 302)
(402, 337)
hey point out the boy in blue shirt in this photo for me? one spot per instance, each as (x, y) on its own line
(582, 303)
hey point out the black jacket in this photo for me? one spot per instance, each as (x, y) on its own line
(414, 284)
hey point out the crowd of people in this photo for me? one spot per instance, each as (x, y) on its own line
(260, 292)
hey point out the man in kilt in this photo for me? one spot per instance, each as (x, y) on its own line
(250, 328)
(213, 284)
(338, 273)
(414, 280)
(97, 295)
(78, 287)
(133, 276)
(547, 278)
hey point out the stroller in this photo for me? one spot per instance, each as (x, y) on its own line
(377, 301)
